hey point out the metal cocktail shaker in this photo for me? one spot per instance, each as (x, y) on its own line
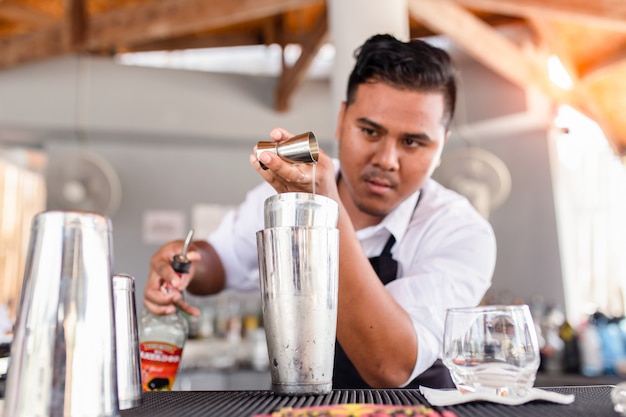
(127, 342)
(63, 357)
(298, 254)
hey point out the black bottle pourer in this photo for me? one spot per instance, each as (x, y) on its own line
(180, 263)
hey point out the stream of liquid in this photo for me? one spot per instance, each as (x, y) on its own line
(313, 177)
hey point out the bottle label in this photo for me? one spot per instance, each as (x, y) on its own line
(159, 364)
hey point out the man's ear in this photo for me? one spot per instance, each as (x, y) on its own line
(340, 115)
(445, 140)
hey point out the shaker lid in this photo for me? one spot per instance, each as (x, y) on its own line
(298, 209)
(123, 282)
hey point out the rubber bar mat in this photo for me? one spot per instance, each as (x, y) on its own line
(590, 401)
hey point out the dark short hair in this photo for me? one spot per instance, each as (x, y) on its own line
(413, 65)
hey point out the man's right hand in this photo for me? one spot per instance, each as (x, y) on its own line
(163, 291)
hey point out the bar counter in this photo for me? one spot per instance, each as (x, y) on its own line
(590, 401)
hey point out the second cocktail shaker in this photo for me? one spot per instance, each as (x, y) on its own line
(63, 357)
(127, 342)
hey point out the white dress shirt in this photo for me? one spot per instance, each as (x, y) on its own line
(446, 253)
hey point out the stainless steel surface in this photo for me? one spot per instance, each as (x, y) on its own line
(63, 360)
(300, 209)
(127, 336)
(183, 254)
(299, 148)
(299, 277)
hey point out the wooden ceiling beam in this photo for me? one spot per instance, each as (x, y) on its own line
(33, 46)
(266, 34)
(171, 18)
(505, 58)
(492, 50)
(292, 77)
(609, 14)
(495, 51)
(260, 32)
(196, 42)
(76, 23)
(555, 44)
(139, 24)
(579, 97)
(12, 11)
(601, 67)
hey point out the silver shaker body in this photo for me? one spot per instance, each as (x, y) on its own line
(298, 269)
(127, 337)
(63, 359)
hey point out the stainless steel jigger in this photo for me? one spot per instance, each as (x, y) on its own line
(299, 148)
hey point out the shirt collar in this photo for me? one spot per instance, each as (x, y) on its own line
(397, 221)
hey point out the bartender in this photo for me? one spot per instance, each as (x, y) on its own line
(409, 248)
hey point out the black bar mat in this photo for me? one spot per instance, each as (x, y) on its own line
(591, 401)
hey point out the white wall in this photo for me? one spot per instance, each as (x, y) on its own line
(97, 94)
(177, 138)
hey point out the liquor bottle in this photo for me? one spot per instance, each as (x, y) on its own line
(162, 338)
(592, 363)
(571, 348)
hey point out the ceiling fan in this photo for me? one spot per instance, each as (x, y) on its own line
(82, 180)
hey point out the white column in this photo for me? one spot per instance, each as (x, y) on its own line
(351, 22)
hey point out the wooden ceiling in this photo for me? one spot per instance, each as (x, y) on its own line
(589, 37)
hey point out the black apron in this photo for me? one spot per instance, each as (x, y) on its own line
(345, 375)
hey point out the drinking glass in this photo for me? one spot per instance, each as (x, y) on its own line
(491, 349)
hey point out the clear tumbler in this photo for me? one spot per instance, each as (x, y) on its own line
(491, 349)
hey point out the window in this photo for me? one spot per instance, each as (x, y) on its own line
(22, 196)
(590, 198)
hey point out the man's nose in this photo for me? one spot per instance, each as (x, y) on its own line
(386, 155)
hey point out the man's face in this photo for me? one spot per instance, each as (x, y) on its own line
(390, 142)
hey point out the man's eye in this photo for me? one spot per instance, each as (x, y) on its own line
(412, 142)
(368, 131)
